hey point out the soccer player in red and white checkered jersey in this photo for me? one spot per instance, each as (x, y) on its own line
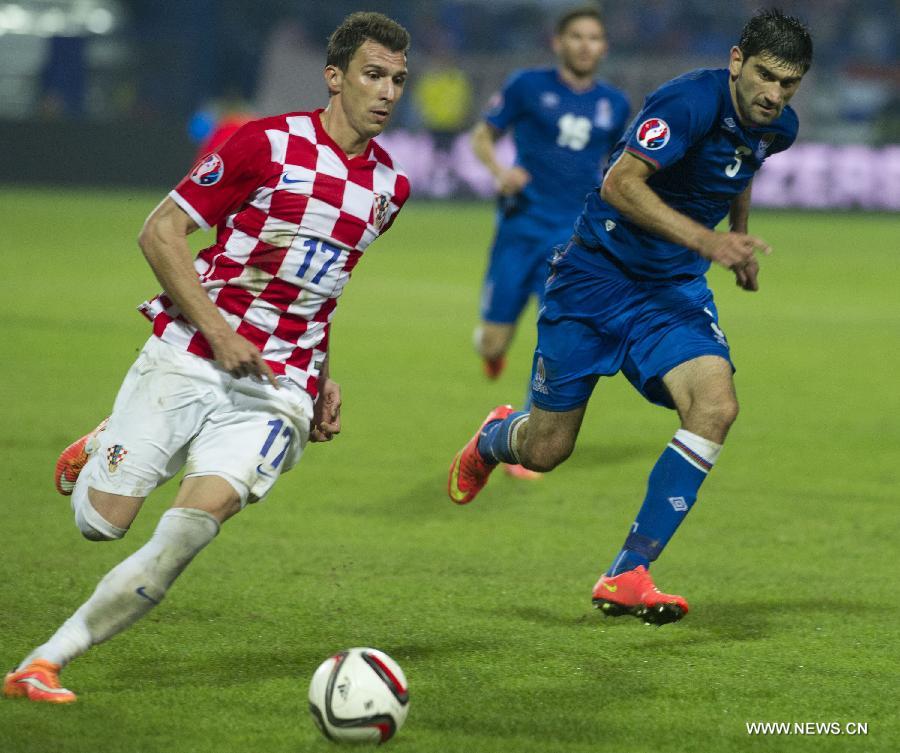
(235, 379)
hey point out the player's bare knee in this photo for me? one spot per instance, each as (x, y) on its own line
(93, 525)
(723, 413)
(712, 419)
(730, 412)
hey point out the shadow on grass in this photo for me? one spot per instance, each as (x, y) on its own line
(421, 498)
(722, 622)
(255, 665)
(602, 456)
(555, 714)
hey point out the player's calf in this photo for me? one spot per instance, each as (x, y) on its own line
(542, 452)
(547, 438)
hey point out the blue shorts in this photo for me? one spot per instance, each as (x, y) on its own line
(595, 322)
(517, 268)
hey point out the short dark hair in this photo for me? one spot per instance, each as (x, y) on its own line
(586, 11)
(356, 28)
(782, 37)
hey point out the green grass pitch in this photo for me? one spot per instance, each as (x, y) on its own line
(788, 560)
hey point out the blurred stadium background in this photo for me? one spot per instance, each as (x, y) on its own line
(120, 91)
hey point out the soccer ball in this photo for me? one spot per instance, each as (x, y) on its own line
(359, 696)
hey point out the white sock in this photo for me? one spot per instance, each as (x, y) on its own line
(699, 452)
(514, 436)
(133, 587)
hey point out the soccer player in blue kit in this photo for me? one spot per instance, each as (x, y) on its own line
(628, 293)
(564, 124)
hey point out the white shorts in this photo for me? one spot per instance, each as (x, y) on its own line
(176, 410)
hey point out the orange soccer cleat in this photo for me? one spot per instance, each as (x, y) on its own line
(39, 681)
(469, 472)
(634, 593)
(73, 458)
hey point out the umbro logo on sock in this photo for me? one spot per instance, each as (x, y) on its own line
(678, 504)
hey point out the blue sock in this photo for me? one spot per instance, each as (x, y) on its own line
(494, 444)
(671, 492)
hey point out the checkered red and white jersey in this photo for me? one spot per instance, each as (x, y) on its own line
(294, 216)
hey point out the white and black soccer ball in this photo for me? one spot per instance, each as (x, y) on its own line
(359, 696)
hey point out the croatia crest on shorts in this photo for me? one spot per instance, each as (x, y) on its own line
(115, 455)
(209, 171)
(653, 134)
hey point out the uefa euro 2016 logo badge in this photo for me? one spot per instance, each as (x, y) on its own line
(653, 133)
(209, 171)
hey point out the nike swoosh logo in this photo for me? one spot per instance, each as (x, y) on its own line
(612, 588)
(35, 683)
(456, 494)
(261, 472)
(143, 594)
(287, 179)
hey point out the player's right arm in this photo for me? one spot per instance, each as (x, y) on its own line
(508, 180)
(163, 239)
(505, 109)
(625, 187)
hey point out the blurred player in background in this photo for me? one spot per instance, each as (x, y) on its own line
(213, 126)
(235, 378)
(564, 124)
(629, 293)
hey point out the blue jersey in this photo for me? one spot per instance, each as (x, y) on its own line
(562, 137)
(689, 131)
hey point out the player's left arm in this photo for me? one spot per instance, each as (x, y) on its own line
(507, 180)
(745, 273)
(327, 409)
(625, 187)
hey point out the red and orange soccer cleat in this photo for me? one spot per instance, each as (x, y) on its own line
(73, 458)
(468, 471)
(521, 472)
(39, 681)
(634, 593)
(493, 367)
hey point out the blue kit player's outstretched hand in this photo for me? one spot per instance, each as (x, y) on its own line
(628, 293)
